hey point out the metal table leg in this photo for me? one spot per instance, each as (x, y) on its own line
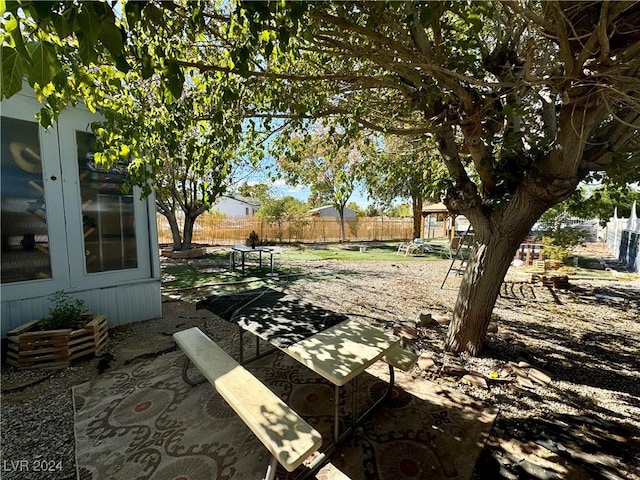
(325, 454)
(271, 274)
(271, 469)
(336, 415)
(185, 375)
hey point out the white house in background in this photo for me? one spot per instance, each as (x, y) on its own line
(237, 206)
(329, 211)
(66, 224)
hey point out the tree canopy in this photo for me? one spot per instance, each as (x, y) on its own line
(327, 163)
(524, 99)
(405, 167)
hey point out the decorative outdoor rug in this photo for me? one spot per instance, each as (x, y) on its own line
(295, 321)
(144, 422)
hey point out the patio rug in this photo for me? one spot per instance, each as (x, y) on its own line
(144, 422)
(295, 320)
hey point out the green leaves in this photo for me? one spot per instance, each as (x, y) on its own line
(86, 49)
(153, 14)
(10, 24)
(147, 66)
(65, 24)
(44, 63)
(89, 23)
(12, 72)
(172, 82)
(112, 38)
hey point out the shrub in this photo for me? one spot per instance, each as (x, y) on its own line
(558, 241)
(67, 312)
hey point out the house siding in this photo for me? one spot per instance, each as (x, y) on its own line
(121, 304)
(234, 207)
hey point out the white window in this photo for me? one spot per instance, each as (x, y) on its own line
(25, 233)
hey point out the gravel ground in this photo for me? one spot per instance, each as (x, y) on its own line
(581, 422)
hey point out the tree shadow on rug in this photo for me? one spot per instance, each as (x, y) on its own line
(143, 422)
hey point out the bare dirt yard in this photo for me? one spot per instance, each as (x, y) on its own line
(562, 366)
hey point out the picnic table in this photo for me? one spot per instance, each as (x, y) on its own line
(337, 348)
(243, 250)
(341, 354)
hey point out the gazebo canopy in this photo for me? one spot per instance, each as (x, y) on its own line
(438, 208)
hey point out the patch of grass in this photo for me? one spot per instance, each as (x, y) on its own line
(219, 257)
(190, 276)
(214, 273)
(573, 272)
(214, 270)
(351, 252)
(187, 276)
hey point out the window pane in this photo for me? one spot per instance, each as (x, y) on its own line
(107, 212)
(25, 237)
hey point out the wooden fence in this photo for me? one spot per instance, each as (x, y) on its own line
(213, 230)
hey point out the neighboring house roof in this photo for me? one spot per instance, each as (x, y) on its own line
(318, 210)
(248, 200)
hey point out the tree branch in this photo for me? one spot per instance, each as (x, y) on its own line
(340, 111)
(618, 134)
(603, 39)
(549, 117)
(398, 50)
(266, 74)
(530, 15)
(347, 26)
(559, 22)
(418, 35)
(449, 151)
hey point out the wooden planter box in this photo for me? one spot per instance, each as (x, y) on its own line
(544, 265)
(554, 281)
(28, 348)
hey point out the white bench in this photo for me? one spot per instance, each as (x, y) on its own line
(289, 438)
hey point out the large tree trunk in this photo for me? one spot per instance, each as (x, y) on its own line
(496, 240)
(487, 265)
(166, 207)
(500, 229)
(416, 203)
(175, 230)
(189, 222)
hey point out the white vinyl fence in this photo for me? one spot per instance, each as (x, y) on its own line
(623, 239)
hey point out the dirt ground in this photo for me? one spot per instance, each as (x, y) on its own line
(562, 366)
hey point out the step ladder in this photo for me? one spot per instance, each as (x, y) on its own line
(460, 255)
